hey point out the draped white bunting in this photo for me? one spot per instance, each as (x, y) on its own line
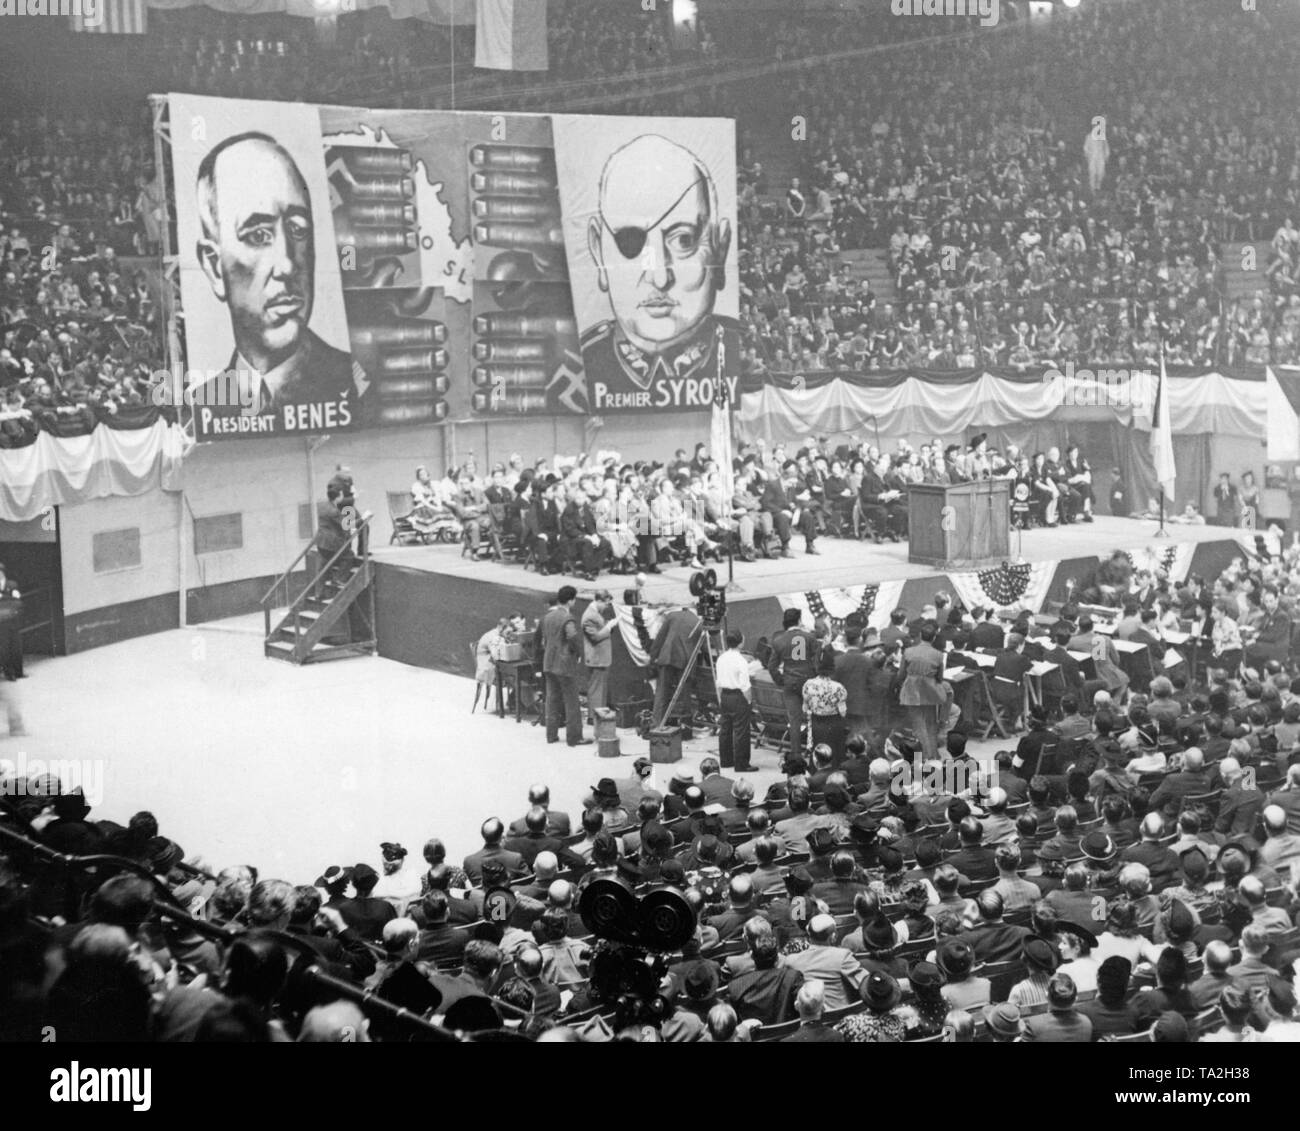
(1005, 586)
(873, 602)
(56, 472)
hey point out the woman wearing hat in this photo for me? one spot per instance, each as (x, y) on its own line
(928, 1005)
(399, 884)
(882, 1022)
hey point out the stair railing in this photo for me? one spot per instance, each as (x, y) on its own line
(295, 606)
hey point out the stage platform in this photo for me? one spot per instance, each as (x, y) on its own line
(433, 603)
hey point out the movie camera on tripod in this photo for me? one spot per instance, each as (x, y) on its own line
(710, 599)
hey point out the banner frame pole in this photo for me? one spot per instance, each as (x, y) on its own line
(160, 107)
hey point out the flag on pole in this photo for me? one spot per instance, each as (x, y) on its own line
(109, 17)
(1162, 437)
(1283, 402)
(720, 429)
(511, 35)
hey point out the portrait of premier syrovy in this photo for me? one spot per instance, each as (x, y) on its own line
(660, 248)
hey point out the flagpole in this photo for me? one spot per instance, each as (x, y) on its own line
(720, 351)
(1162, 394)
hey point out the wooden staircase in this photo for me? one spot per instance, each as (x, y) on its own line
(315, 624)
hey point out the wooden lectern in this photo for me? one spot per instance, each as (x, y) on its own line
(959, 525)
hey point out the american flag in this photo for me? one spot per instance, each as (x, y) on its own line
(109, 17)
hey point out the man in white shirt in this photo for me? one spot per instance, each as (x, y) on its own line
(735, 694)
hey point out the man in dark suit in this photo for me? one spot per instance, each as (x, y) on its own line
(440, 942)
(973, 859)
(1068, 678)
(1241, 803)
(557, 822)
(991, 939)
(1062, 1023)
(459, 911)
(781, 499)
(1191, 779)
(853, 672)
(578, 527)
(492, 832)
(987, 633)
(716, 787)
(840, 891)
(561, 642)
(536, 839)
(766, 993)
(670, 653)
(795, 654)
(1165, 866)
(731, 922)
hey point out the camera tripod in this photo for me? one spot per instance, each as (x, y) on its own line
(710, 644)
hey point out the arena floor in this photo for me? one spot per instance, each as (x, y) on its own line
(245, 759)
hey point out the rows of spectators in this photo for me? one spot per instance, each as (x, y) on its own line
(1010, 241)
(1013, 243)
(1124, 871)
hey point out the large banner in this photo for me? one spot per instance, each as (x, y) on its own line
(649, 208)
(348, 268)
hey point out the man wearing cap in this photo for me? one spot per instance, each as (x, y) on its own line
(597, 649)
(1062, 1023)
(561, 644)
